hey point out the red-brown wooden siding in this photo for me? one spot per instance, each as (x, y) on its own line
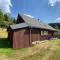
(51, 33)
(21, 37)
(35, 35)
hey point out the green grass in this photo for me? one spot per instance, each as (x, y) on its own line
(5, 43)
(49, 50)
(6, 51)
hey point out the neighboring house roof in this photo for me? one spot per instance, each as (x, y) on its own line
(32, 22)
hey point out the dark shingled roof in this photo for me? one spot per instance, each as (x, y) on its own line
(32, 22)
(17, 26)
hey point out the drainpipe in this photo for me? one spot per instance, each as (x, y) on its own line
(30, 32)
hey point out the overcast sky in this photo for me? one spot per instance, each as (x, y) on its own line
(46, 10)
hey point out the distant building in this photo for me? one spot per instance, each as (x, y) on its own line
(28, 30)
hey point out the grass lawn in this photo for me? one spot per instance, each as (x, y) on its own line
(49, 50)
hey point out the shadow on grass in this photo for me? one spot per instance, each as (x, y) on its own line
(5, 43)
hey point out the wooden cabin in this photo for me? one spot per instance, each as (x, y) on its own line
(28, 30)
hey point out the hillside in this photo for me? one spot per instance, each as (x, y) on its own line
(48, 50)
(55, 25)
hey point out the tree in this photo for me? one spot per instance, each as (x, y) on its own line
(14, 20)
(6, 20)
(1, 18)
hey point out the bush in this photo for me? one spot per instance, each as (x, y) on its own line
(5, 43)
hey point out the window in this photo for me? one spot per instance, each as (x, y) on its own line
(46, 32)
(42, 32)
(55, 33)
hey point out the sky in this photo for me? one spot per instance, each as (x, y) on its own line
(48, 11)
